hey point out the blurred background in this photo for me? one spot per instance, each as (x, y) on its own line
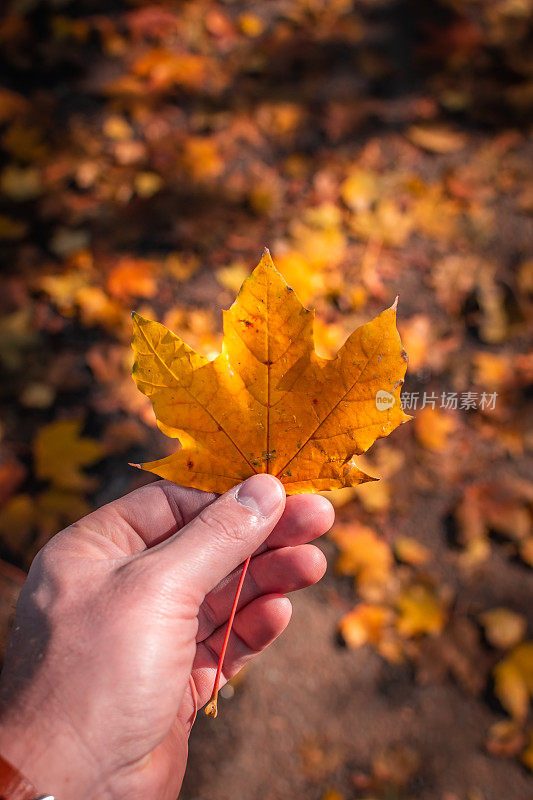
(148, 152)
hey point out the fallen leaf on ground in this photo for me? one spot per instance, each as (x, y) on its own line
(436, 139)
(493, 371)
(396, 764)
(433, 428)
(385, 222)
(457, 652)
(410, 551)
(420, 611)
(503, 628)
(501, 507)
(17, 518)
(233, 276)
(505, 738)
(319, 759)
(132, 277)
(364, 555)
(372, 624)
(306, 417)
(360, 189)
(60, 453)
(513, 680)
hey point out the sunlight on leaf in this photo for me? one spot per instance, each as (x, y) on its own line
(307, 417)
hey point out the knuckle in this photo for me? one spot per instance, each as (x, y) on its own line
(224, 526)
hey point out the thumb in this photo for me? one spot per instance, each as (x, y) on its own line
(224, 533)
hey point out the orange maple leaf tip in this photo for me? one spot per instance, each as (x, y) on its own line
(268, 402)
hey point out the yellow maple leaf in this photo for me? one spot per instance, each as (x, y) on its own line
(60, 453)
(268, 403)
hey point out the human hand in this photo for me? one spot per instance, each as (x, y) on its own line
(120, 623)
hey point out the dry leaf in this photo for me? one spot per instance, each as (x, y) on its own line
(492, 371)
(116, 127)
(251, 25)
(436, 139)
(201, 158)
(148, 183)
(396, 765)
(132, 277)
(386, 222)
(17, 519)
(513, 680)
(97, 308)
(60, 453)
(375, 496)
(503, 628)
(457, 652)
(505, 738)
(268, 403)
(500, 506)
(420, 611)
(182, 266)
(364, 555)
(233, 276)
(165, 68)
(433, 428)
(372, 624)
(410, 551)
